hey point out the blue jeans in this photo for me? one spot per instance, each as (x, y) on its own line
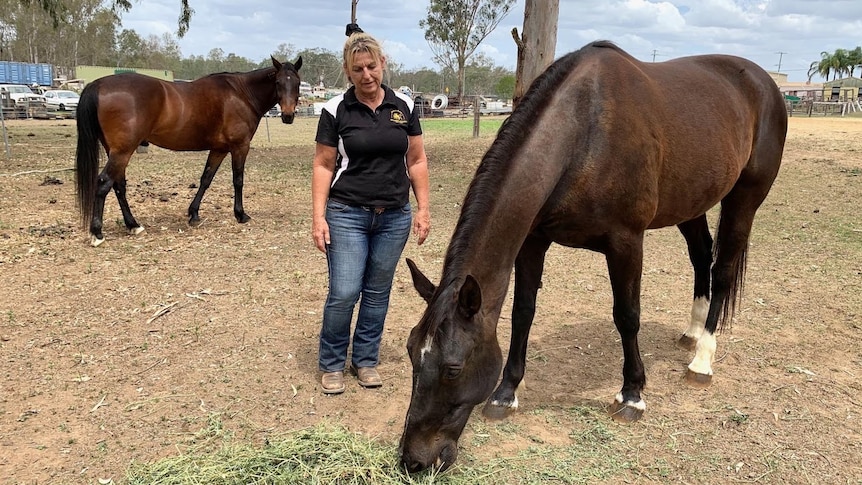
(362, 255)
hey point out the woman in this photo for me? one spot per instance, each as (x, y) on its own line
(369, 153)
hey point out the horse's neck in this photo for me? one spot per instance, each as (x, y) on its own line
(255, 84)
(503, 212)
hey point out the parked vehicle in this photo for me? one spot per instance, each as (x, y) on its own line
(21, 95)
(61, 100)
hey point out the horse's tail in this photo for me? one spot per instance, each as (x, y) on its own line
(87, 153)
(737, 278)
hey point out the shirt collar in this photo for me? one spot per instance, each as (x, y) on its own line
(388, 95)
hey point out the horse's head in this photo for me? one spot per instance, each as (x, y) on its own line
(456, 361)
(287, 87)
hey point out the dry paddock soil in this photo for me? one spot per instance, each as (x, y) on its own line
(126, 352)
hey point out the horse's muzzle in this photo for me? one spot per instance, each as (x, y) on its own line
(287, 118)
(445, 459)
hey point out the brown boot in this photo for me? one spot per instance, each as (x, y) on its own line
(368, 376)
(332, 382)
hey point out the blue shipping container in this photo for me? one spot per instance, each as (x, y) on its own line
(26, 73)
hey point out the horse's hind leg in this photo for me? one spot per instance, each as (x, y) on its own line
(728, 271)
(528, 279)
(112, 176)
(128, 219)
(625, 264)
(214, 160)
(699, 241)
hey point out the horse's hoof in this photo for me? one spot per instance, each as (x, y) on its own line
(694, 379)
(625, 413)
(686, 343)
(243, 218)
(136, 230)
(495, 411)
(95, 241)
(195, 221)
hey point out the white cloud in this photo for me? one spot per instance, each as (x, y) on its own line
(762, 30)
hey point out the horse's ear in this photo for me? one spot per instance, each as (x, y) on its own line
(469, 297)
(298, 63)
(275, 63)
(422, 284)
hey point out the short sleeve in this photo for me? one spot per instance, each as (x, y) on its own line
(327, 132)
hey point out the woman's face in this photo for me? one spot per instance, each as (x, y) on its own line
(366, 73)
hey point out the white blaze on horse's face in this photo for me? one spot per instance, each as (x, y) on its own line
(429, 343)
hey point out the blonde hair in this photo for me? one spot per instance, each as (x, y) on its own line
(361, 42)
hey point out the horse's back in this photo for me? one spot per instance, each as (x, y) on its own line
(626, 145)
(177, 116)
(695, 123)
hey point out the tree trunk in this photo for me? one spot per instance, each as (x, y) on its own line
(537, 45)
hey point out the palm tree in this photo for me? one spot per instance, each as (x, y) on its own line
(823, 67)
(855, 59)
(840, 63)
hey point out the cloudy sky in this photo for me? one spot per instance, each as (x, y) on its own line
(790, 32)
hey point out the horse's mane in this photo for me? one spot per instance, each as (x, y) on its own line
(511, 136)
(481, 193)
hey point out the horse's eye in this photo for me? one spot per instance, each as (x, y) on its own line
(452, 371)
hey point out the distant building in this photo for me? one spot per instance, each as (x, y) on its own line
(805, 89)
(88, 74)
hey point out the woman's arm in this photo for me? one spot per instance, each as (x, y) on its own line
(417, 168)
(321, 177)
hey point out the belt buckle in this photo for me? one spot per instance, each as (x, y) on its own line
(379, 210)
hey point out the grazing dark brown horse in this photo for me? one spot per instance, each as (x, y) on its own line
(601, 148)
(219, 113)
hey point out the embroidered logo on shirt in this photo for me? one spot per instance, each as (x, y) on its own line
(397, 117)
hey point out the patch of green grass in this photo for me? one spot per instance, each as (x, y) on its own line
(461, 126)
(332, 454)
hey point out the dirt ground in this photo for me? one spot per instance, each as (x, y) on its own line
(126, 352)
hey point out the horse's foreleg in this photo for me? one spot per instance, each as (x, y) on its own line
(237, 158)
(625, 263)
(214, 160)
(528, 278)
(699, 242)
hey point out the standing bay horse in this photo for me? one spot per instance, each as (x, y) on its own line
(219, 113)
(601, 148)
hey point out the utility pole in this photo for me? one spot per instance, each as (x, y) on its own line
(780, 56)
(654, 51)
(353, 11)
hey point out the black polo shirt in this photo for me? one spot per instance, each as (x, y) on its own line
(371, 166)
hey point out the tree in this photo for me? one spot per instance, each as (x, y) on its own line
(321, 67)
(56, 9)
(455, 28)
(537, 45)
(837, 63)
(854, 59)
(505, 87)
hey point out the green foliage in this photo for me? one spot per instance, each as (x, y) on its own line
(505, 87)
(70, 33)
(455, 28)
(841, 62)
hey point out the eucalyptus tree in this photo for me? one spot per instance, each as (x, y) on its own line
(454, 30)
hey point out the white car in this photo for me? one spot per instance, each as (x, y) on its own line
(61, 100)
(21, 95)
